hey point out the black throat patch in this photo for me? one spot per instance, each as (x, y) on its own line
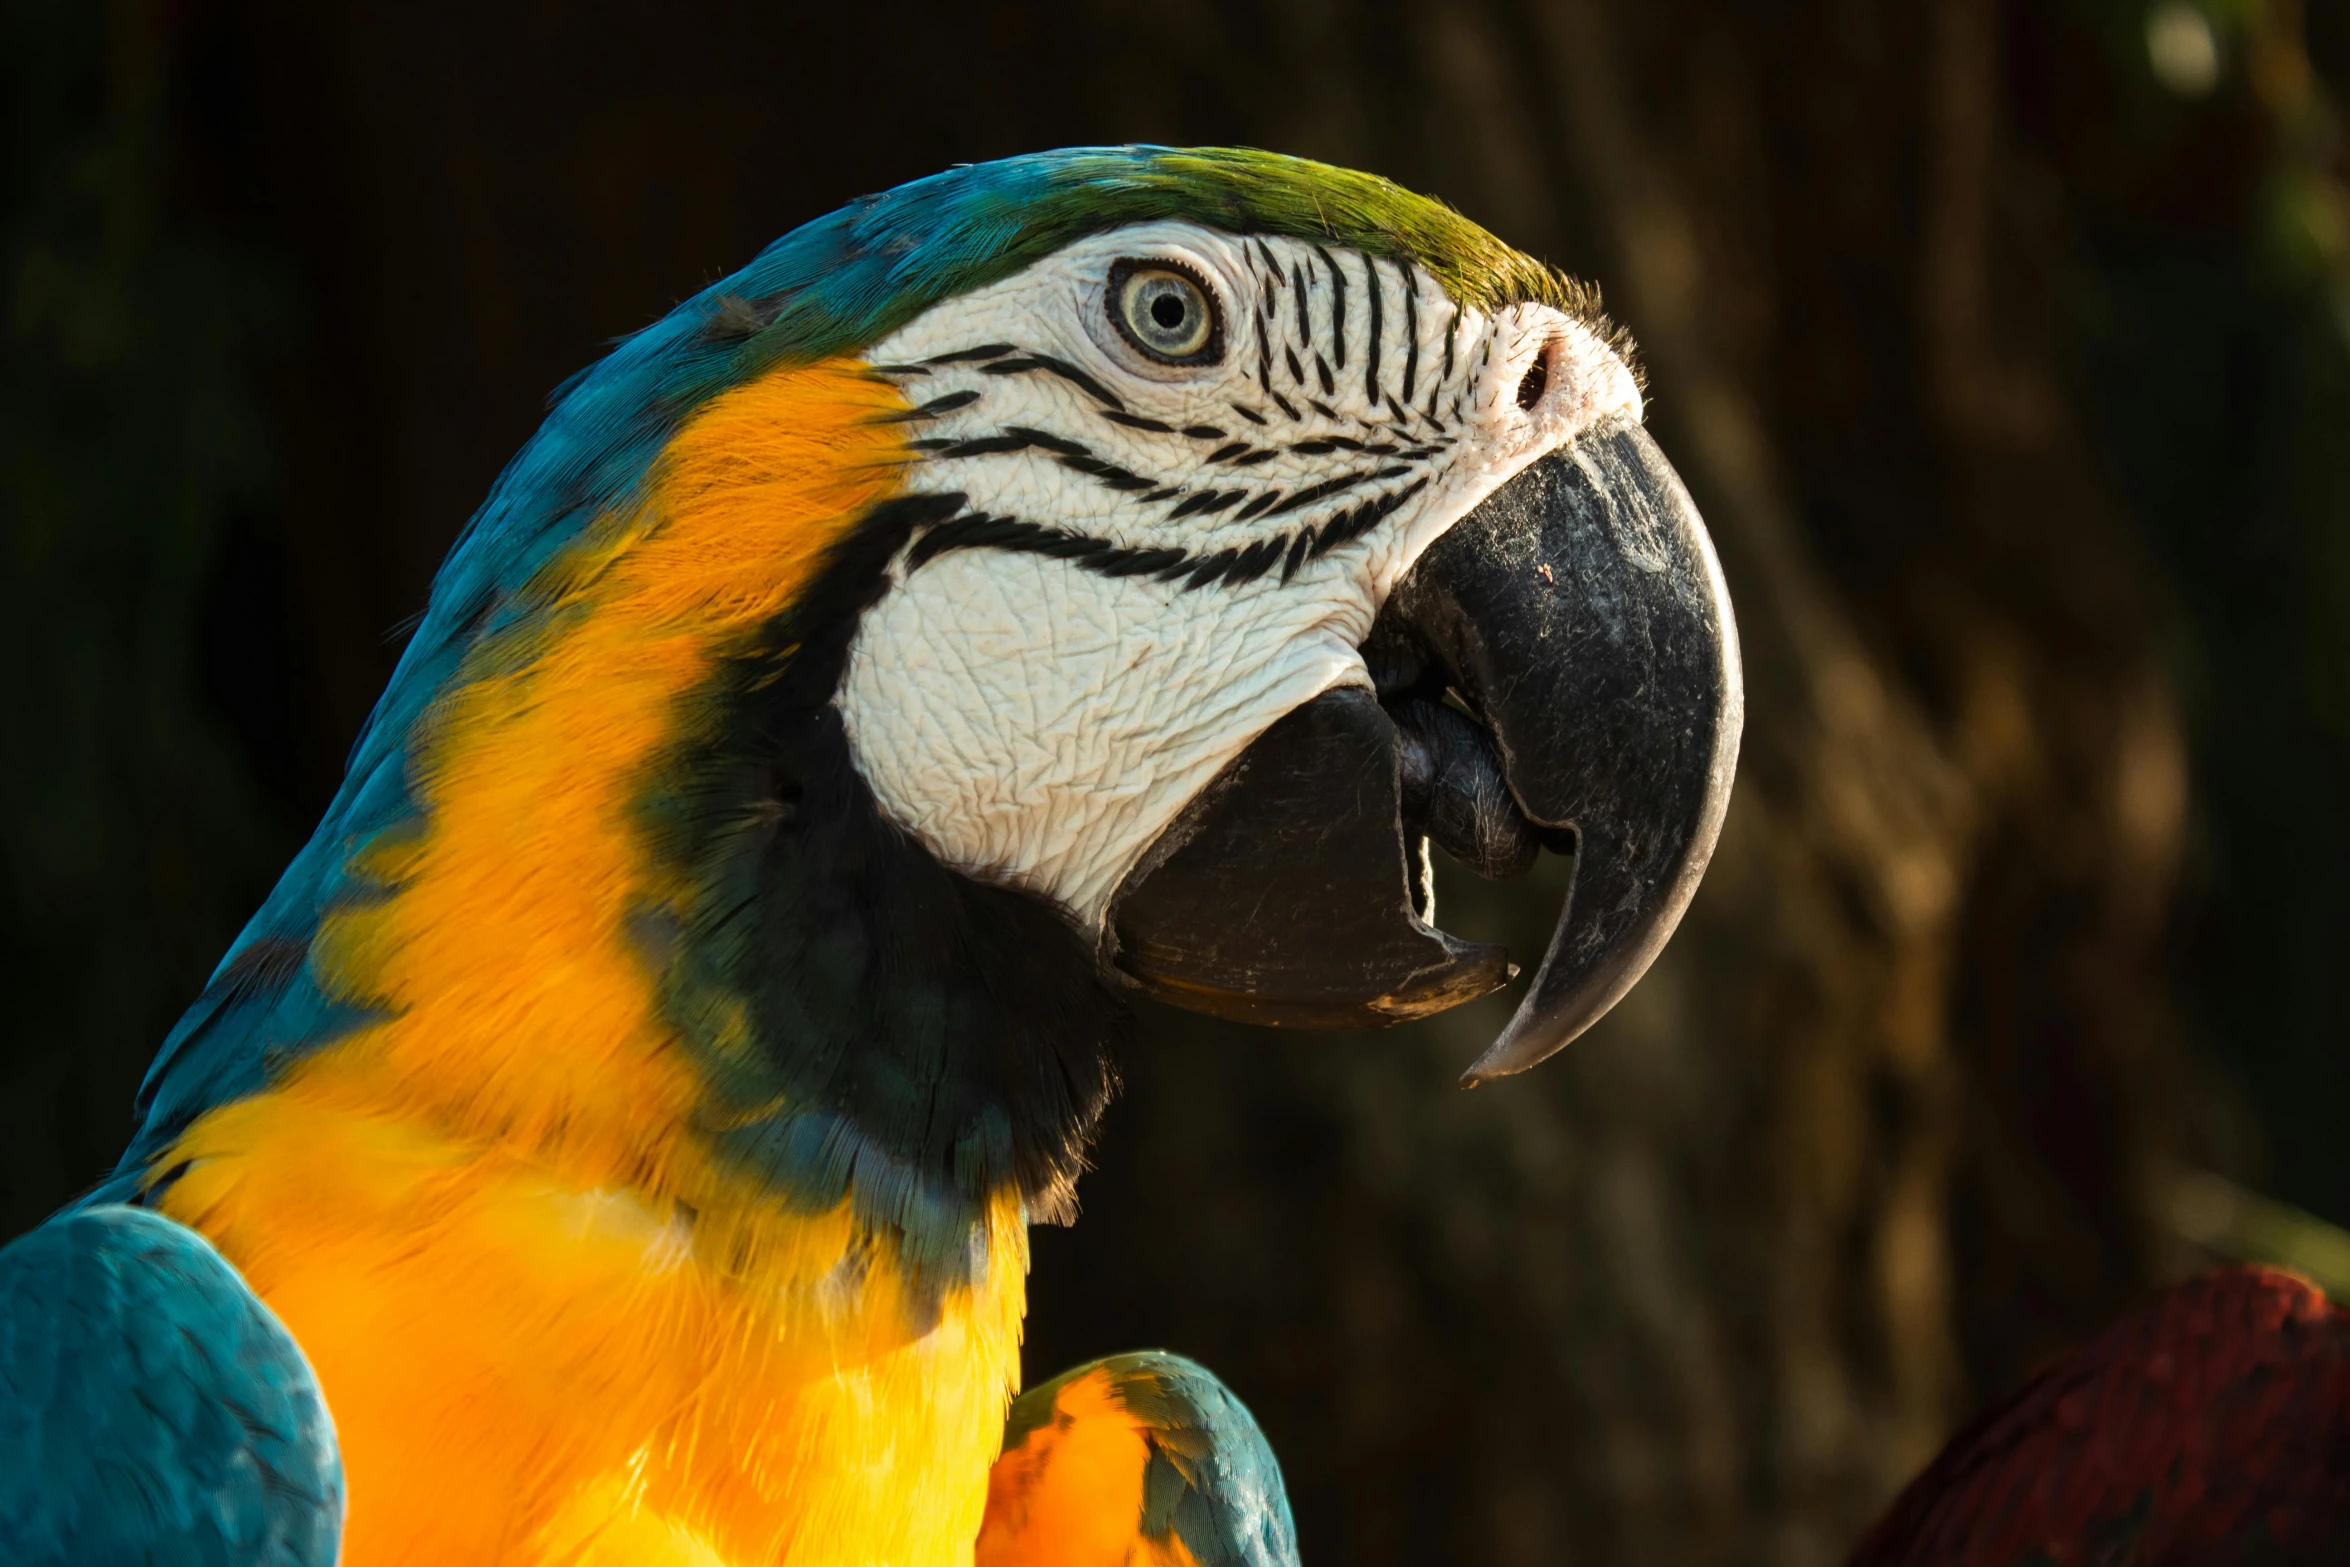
(871, 1025)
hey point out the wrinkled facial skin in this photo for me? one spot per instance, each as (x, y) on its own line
(1155, 561)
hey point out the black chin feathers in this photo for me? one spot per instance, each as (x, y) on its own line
(872, 1026)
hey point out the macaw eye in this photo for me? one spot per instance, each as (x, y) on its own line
(1166, 312)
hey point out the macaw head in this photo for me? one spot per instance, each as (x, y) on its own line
(1095, 572)
(1280, 523)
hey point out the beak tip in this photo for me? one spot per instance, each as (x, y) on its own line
(1515, 1051)
(1484, 1070)
(1481, 1072)
(1631, 744)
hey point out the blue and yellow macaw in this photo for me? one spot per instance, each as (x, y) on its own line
(615, 1138)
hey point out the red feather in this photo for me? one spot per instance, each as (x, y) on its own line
(2212, 1427)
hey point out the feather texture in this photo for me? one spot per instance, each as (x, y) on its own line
(152, 1410)
(2210, 1428)
(637, 1133)
(826, 289)
(549, 1310)
(1144, 1459)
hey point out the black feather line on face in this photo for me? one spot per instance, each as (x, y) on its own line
(1068, 372)
(1229, 567)
(1337, 312)
(919, 1043)
(938, 361)
(936, 407)
(1411, 334)
(1299, 549)
(1258, 507)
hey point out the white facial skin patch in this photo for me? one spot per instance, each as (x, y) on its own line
(1155, 561)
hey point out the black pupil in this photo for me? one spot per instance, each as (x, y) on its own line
(1168, 311)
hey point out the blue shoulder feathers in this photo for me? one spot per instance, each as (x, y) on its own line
(152, 1410)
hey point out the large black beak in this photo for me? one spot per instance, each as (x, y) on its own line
(1559, 670)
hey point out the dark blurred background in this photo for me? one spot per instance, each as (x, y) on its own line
(2006, 346)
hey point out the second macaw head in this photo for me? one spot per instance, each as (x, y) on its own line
(1099, 571)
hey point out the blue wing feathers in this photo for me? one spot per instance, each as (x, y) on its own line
(152, 1410)
(1212, 1480)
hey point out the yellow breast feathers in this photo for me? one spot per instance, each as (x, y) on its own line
(548, 1326)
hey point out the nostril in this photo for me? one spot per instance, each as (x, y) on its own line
(1536, 381)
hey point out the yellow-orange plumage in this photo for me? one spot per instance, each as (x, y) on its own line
(549, 1326)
